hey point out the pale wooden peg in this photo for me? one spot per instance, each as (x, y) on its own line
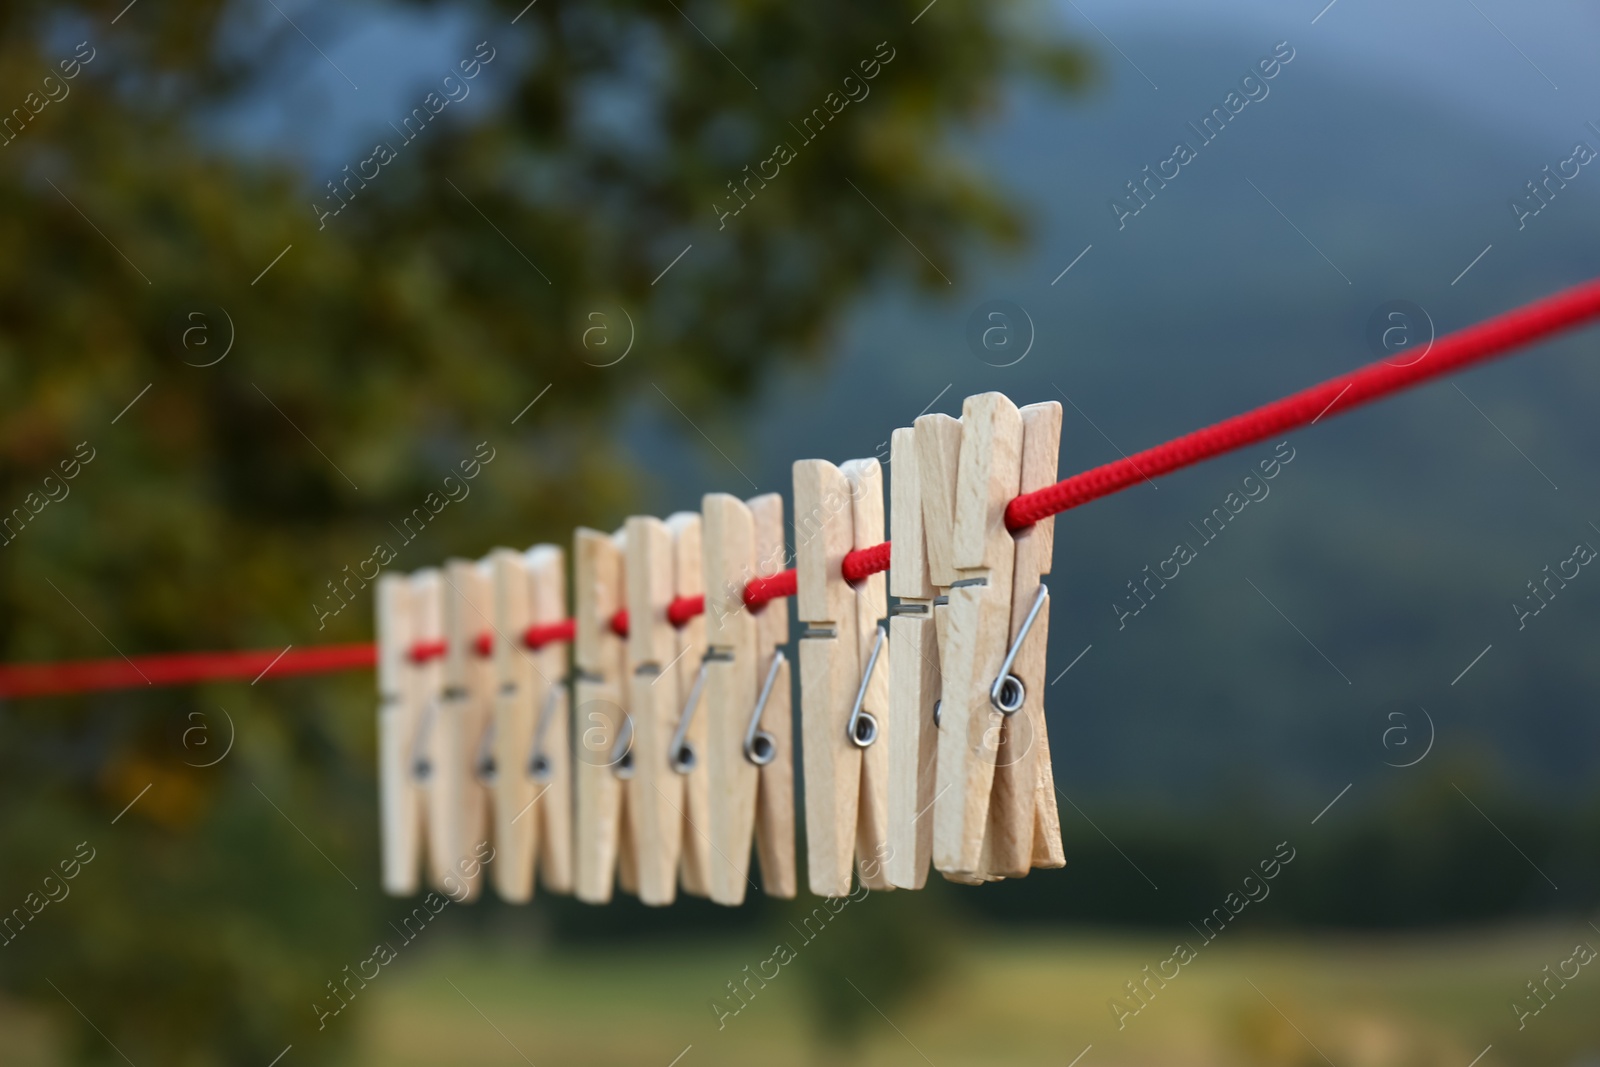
(598, 658)
(984, 556)
(846, 783)
(515, 835)
(427, 680)
(548, 760)
(459, 842)
(729, 692)
(1023, 819)
(938, 444)
(690, 642)
(627, 844)
(913, 673)
(749, 746)
(399, 710)
(653, 789)
(773, 734)
(872, 607)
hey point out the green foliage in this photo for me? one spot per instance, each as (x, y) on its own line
(376, 353)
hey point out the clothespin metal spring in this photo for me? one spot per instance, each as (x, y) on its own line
(760, 747)
(1008, 694)
(684, 757)
(539, 765)
(862, 729)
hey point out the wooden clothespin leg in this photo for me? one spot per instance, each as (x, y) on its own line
(400, 705)
(843, 675)
(1024, 829)
(459, 843)
(769, 738)
(749, 747)
(991, 646)
(504, 761)
(938, 444)
(600, 719)
(689, 763)
(654, 790)
(913, 673)
(547, 760)
(427, 680)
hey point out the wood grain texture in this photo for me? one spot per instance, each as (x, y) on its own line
(913, 748)
(914, 669)
(1015, 798)
(728, 553)
(938, 443)
(552, 809)
(822, 537)
(775, 822)
(690, 644)
(979, 620)
(830, 672)
(908, 563)
(653, 789)
(872, 605)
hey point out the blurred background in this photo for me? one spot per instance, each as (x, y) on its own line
(253, 363)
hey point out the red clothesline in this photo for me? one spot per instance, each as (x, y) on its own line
(1486, 340)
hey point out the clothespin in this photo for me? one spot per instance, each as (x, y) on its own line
(524, 758)
(1024, 828)
(749, 746)
(689, 634)
(401, 698)
(511, 728)
(938, 447)
(914, 667)
(547, 761)
(458, 798)
(994, 662)
(654, 789)
(603, 847)
(843, 675)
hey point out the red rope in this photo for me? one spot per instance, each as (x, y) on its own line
(759, 592)
(536, 637)
(182, 668)
(684, 608)
(1452, 352)
(1475, 344)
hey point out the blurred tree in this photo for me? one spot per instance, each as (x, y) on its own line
(227, 495)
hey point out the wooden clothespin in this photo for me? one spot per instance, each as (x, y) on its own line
(749, 746)
(654, 789)
(547, 761)
(511, 732)
(914, 668)
(690, 641)
(994, 661)
(1024, 823)
(401, 698)
(938, 445)
(844, 673)
(525, 759)
(603, 847)
(458, 808)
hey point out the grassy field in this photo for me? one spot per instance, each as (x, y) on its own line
(1394, 1001)
(1405, 1002)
